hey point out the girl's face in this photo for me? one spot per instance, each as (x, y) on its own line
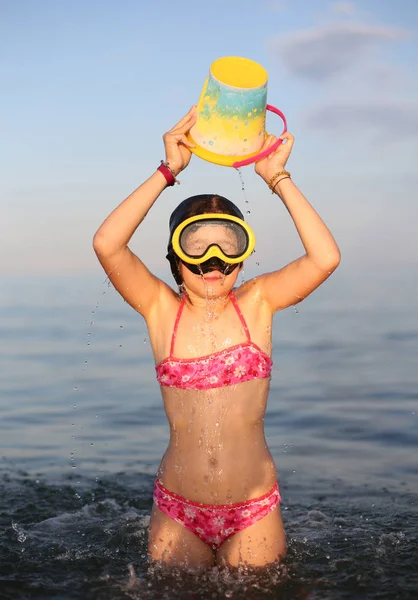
(213, 283)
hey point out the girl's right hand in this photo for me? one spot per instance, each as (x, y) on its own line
(177, 153)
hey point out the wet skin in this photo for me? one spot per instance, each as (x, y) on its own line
(217, 452)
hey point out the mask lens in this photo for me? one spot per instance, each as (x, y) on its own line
(198, 237)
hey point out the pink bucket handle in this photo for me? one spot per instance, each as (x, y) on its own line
(257, 157)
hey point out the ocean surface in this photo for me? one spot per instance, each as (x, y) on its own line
(82, 431)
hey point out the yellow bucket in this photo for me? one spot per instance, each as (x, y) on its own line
(231, 113)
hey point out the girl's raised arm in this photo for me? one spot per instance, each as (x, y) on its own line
(136, 284)
(294, 282)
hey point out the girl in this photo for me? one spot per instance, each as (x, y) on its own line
(216, 497)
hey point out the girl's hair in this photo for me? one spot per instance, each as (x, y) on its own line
(196, 205)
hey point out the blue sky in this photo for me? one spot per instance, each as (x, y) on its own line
(89, 87)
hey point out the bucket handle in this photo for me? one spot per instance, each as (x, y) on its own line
(260, 155)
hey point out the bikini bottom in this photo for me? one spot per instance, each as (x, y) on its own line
(214, 523)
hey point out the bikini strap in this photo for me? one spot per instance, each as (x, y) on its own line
(176, 324)
(239, 313)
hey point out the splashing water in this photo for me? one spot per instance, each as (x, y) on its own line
(93, 544)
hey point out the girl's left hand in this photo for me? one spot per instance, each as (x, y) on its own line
(276, 161)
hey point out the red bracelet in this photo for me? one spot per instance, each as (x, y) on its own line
(168, 173)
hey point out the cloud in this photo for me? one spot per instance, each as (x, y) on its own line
(380, 119)
(321, 54)
(361, 89)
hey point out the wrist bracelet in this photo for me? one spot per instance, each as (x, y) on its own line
(273, 179)
(168, 173)
(273, 189)
(277, 175)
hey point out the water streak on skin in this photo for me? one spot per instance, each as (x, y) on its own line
(213, 435)
(211, 407)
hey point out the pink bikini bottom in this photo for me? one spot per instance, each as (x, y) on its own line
(214, 523)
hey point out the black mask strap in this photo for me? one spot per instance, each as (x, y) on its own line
(213, 264)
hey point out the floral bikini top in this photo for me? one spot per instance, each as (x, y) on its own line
(230, 366)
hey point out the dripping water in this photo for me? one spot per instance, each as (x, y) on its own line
(244, 193)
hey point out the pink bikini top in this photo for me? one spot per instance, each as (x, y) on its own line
(233, 365)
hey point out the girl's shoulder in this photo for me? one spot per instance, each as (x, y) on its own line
(161, 320)
(250, 298)
(256, 312)
(167, 303)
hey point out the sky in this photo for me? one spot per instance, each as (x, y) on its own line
(88, 88)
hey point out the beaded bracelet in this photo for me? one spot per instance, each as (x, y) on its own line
(270, 183)
(273, 189)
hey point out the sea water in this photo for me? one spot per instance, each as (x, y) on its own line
(83, 429)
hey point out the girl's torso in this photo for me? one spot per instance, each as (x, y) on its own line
(214, 369)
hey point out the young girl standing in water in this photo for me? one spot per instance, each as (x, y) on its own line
(216, 497)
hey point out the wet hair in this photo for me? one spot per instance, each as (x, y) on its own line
(196, 205)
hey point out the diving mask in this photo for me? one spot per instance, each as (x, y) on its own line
(213, 235)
